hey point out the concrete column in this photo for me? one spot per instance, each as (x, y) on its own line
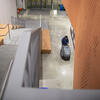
(85, 18)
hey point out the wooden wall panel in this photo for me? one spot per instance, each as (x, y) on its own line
(85, 18)
(46, 42)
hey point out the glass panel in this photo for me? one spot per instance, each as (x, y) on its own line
(29, 3)
(36, 3)
(42, 4)
(55, 4)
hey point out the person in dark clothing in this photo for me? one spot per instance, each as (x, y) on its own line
(65, 41)
(65, 51)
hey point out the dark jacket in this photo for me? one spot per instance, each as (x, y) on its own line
(65, 41)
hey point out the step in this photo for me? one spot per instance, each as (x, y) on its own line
(4, 32)
(17, 34)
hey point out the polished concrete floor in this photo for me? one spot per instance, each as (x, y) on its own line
(56, 73)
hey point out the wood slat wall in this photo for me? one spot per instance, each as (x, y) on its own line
(85, 18)
(3, 32)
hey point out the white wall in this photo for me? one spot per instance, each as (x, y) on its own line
(7, 9)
